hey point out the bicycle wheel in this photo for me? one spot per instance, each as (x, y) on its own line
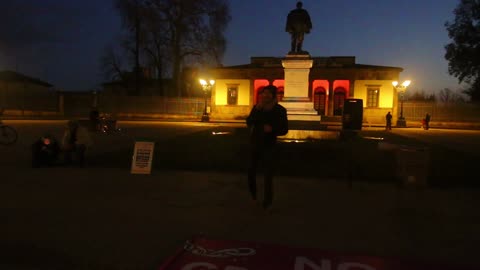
(8, 135)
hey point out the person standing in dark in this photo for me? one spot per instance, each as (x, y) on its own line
(388, 119)
(427, 121)
(94, 119)
(298, 24)
(266, 121)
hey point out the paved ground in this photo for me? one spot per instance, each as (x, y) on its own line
(110, 219)
(105, 218)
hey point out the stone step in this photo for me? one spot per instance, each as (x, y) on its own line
(304, 117)
(297, 105)
(330, 118)
(302, 112)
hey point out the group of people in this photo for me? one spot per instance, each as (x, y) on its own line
(425, 121)
(47, 150)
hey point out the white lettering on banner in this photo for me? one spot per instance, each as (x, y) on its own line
(303, 263)
(209, 266)
(199, 265)
(354, 266)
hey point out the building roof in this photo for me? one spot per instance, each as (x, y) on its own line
(319, 62)
(12, 76)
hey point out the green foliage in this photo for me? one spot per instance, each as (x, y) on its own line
(463, 54)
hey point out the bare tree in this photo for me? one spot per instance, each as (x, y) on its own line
(111, 64)
(446, 95)
(420, 95)
(185, 32)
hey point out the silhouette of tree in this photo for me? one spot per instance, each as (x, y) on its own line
(173, 34)
(463, 54)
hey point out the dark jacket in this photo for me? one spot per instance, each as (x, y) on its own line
(45, 154)
(277, 118)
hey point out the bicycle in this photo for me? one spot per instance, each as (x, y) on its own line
(8, 135)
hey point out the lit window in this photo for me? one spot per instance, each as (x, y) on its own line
(372, 97)
(232, 94)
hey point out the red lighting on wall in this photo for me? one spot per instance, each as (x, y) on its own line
(320, 84)
(345, 84)
(257, 85)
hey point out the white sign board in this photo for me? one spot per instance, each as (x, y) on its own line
(142, 157)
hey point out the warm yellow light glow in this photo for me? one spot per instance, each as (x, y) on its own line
(205, 83)
(403, 86)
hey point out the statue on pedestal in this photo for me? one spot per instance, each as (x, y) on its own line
(298, 24)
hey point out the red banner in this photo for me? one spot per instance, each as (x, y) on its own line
(208, 254)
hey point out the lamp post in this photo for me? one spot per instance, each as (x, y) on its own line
(207, 87)
(401, 88)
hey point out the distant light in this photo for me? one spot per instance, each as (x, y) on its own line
(374, 138)
(220, 132)
(394, 83)
(406, 83)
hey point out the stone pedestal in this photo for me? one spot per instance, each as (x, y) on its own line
(295, 95)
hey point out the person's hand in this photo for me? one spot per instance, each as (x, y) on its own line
(267, 128)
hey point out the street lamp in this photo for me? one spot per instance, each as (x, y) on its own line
(401, 88)
(207, 87)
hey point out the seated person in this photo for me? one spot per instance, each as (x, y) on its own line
(45, 152)
(75, 142)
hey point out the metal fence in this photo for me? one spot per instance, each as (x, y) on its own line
(44, 102)
(460, 112)
(151, 105)
(80, 104)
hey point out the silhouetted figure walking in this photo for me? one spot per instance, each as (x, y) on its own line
(427, 121)
(388, 119)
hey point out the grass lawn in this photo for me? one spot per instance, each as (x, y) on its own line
(359, 158)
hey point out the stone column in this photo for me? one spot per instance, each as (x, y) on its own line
(352, 89)
(297, 69)
(296, 98)
(330, 97)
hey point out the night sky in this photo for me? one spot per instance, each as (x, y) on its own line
(61, 41)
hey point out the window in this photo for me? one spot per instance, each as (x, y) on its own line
(372, 97)
(232, 94)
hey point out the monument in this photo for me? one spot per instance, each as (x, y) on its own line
(298, 24)
(297, 65)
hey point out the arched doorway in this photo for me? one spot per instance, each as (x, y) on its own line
(338, 100)
(319, 97)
